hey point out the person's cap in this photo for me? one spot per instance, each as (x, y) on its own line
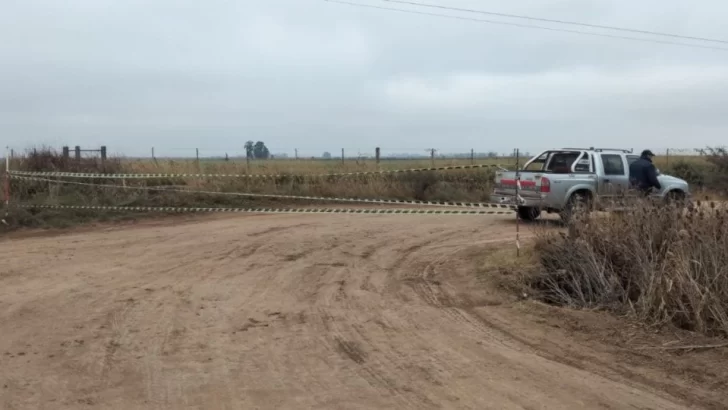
(647, 153)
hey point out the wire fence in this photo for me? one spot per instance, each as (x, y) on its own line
(457, 184)
(201, 161)
(384, 153)
(380, 157)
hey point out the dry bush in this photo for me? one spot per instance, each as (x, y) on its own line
(718, 158)
(658, 262)
(49, 159)
(706, 173)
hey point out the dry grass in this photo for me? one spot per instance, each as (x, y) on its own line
(293, 167)
(665, 162)
(318, 166)
(502, 267)
(503, 259)
(294, 177)
(660, 263)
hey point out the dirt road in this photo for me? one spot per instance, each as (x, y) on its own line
(283, 312)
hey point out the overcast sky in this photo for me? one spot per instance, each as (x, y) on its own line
(319, 76)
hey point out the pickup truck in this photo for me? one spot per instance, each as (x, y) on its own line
(563, 180)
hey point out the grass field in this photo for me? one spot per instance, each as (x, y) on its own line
(704, 173)
(239, 165)
(320, 166)
(296, 167)
(294, 177)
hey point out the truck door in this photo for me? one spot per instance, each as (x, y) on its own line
(614, 175)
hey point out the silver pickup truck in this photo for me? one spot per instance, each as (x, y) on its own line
(562, 180)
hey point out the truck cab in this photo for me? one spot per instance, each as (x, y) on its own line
(559, 180)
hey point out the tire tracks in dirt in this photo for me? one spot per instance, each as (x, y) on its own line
(286, 311)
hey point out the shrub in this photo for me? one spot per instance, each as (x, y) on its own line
(694, 173)
(708, 172)
(718, 157)
(660, 263)
(49, 159)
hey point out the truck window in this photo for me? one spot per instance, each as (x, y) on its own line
(613, 164)
(583, 164)
(632, 158)
(538, 163)
(560, 162)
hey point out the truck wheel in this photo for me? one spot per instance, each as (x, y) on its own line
(577, 203)
(529, 213)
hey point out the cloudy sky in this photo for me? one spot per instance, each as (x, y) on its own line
(319, 76)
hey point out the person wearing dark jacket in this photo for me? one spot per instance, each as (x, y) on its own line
(643, 174)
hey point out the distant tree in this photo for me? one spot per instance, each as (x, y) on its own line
(260, 151)
(249, 149)
(326, 155)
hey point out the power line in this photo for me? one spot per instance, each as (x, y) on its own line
(423, 13)
(573, 23)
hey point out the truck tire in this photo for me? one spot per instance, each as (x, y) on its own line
(529, 213)
(578, 202)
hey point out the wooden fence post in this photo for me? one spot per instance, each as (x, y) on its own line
(667, 157)
(103, 158)
(518, 196)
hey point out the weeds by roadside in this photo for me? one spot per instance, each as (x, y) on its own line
(660, 263)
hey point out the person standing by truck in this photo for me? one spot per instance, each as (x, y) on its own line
(643, 174)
